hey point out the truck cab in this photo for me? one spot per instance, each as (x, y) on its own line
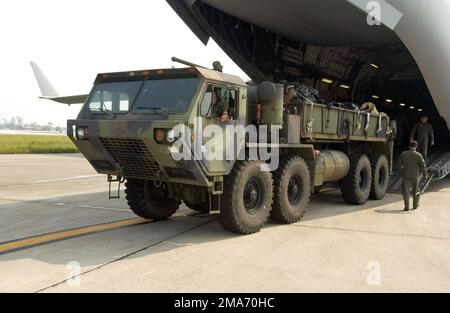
(135, 111)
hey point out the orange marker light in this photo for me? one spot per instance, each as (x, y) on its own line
(159, 72)
(159, 135)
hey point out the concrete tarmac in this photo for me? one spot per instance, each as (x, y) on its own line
(336, 248)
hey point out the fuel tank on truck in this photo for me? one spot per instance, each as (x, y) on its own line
(331, 166)
(271, 98)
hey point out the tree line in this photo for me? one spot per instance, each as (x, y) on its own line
(17, 123)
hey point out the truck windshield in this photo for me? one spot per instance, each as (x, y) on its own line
(166, 96)
(114, 97)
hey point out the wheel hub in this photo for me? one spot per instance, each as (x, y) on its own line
(362, 180)
(381, 177)
(252, 196)
(294, 190)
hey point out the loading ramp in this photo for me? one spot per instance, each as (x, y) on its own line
(438, 168)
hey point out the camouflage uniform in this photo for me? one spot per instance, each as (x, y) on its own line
(424, 133)
(411, 165)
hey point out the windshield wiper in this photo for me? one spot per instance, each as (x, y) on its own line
(153, 109)
(105, 110)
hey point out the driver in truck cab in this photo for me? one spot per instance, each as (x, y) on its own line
(220, 107)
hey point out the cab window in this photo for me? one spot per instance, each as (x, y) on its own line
(233, 102)
(166, 96)
(219, 99)
(114, 97)
(205, 105)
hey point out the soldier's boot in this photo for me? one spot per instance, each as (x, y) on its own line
(416, 202)
(406, 209)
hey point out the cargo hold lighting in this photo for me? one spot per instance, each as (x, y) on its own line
(326, 81)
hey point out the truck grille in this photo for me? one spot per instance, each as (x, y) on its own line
(133, 157)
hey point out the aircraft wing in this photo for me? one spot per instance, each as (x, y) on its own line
(68, 100)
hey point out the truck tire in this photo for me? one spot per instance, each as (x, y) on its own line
(148, 201)
(292, 190)
(355, 187)
(380, 176)
(247, 198)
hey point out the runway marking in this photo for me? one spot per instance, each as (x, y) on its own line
(127, 255)
(65, 179)
(67, 234)
(24, 243)
(84, 206)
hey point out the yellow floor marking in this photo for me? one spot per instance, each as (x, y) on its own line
(32, 241)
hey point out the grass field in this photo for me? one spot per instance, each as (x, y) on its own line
(34, 144)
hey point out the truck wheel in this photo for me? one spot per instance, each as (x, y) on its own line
(380, 176)
(355, 187)
(292, 190)
(149, 201)
(247, 198)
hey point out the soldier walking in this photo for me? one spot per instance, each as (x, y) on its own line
(425, 136)
(411, 165)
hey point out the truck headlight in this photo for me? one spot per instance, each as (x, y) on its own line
(82, 133)
(171, 136)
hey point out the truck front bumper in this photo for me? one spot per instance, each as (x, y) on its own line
(129, 150)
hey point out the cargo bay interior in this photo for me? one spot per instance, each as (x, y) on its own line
(353, 67)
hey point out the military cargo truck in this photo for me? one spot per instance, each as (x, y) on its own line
(126, 131)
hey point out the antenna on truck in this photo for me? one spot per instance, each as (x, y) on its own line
(216, 65)
(175, 59)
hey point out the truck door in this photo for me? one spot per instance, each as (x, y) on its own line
(218, 108)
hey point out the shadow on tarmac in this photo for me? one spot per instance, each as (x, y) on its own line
(45, 216)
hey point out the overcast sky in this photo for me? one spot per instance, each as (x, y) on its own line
(72, 41)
